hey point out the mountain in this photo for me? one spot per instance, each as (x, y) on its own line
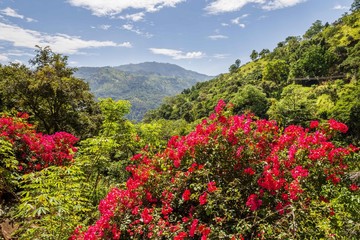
(164, 69)
(314, 76)
(143, 84)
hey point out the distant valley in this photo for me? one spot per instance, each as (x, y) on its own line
(143, 84)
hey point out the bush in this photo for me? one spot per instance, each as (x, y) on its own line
(236, 177)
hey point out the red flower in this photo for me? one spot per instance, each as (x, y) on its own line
(202, 198)
(314, 124)
(193, 227)
(220, 106)
(145, 215)
(180, 236)
(299, 171)
(338, 126)
(186, 195)
(211, 186)
(249, 171)
(354, 187)
(253, 202)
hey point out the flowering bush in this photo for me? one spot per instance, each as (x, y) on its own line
(233, 177)
(34, 150)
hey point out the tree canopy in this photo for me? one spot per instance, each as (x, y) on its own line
(54, 98)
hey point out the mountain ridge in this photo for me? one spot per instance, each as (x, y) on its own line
(143, 84)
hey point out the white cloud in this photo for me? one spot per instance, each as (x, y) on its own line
(30, 20)
(224, 24)
(60, 43)
(3, 58)
(134, 17)
(12, 13)
(221, 56)
(105, 27)
(125, 44)
(237, 22)
(340, 7)
(176, 54)
(131, 28)
(222, 6)
(278, 4)
(217, 37)
(111, 8)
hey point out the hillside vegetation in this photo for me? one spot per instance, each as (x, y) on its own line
(210, 163)
(144, 84)
(303, 78)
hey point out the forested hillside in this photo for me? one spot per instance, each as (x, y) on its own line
(144, 84)
(314, 76)
(258, 153)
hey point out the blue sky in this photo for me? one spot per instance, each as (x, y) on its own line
(206, 36)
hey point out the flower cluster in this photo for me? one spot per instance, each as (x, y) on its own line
(34, 150)
(216, 181)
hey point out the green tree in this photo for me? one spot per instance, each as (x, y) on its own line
(52, 203)
(276, 71)
(315, 28)
(264, 52)
(250, 99)
(296, 106)
(314, 62)
(347, 105)
(254, 55)
(55, 99)
(355, 6)
(235, 66)
(104, 157)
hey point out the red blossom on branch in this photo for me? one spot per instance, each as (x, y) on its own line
(270, 168)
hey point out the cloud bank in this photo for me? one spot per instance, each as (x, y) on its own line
(223, 6)
(60, 43)
(114, 7)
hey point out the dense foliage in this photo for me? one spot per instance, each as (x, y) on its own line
(303, 78)
(143, 84)
(54, 98)
(273, 161)
(236, 177)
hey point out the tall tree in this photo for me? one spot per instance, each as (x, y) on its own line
(55, 99)
(254, 55)
(235, 66)
(315, 28)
